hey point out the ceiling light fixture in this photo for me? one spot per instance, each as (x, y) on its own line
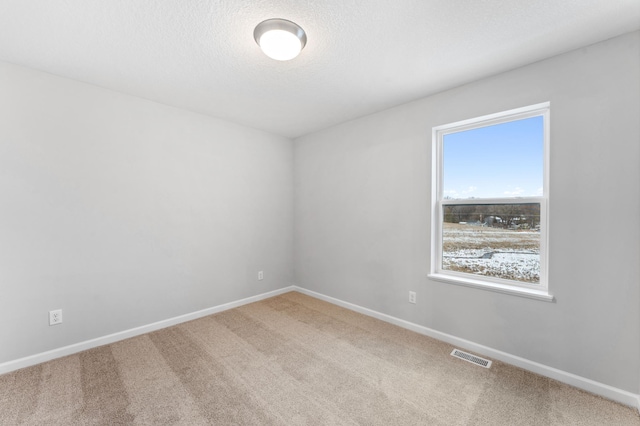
(280, 39)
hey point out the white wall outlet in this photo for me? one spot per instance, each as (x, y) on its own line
(55, 317)
(260, 275)
(412, 297)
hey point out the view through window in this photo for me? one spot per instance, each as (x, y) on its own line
(491, 198)
(496, 240)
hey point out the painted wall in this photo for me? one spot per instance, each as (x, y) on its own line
(362, 200)
(124, 212)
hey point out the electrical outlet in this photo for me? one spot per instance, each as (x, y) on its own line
(412, 297)
(260, 275)
(55, 317)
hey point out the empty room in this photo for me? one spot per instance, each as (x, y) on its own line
(320, 213)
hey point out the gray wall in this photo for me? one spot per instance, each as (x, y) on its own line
(362, 196)
(124, 212)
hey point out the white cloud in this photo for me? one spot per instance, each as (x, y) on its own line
(470, 190)
(516, 191)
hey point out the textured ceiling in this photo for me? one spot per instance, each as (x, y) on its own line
(362, 56)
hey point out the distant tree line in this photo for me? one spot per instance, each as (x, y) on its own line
(525, 216)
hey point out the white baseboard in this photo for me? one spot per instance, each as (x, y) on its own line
(115, 337)
(606, 391)
(588, 385)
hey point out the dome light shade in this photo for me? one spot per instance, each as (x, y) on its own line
(280, 39)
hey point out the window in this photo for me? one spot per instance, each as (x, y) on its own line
(490, 200)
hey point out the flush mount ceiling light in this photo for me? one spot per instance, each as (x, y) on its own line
(280, 39)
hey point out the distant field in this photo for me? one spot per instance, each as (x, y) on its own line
(510, 254)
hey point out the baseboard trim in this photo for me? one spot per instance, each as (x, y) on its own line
(601, 389)
(28, 361)
(583, 383)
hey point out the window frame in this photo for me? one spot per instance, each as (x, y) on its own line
(536, 291)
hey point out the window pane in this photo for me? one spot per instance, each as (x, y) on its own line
(497, 240)
(502, 160)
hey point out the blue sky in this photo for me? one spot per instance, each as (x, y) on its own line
(503, 160)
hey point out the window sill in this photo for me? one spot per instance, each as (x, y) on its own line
(499, 288)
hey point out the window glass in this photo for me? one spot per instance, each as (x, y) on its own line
(502, 160)
(493, 240)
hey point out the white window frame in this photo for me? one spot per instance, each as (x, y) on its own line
(535, 291)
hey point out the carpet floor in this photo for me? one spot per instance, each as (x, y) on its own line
(290, 360)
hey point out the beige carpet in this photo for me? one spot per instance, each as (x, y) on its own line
(290, 360)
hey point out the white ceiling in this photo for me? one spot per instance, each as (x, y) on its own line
(362, 56)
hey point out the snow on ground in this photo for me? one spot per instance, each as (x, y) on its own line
(511, 266)
(510, 254)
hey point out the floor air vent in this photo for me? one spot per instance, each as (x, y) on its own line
(471, 358)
